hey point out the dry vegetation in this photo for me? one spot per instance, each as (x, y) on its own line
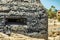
(15, 36)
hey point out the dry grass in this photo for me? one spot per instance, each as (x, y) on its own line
(15, 36)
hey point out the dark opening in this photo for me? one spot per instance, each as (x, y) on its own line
(22, 21)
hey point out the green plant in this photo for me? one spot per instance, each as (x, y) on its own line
(59, 18)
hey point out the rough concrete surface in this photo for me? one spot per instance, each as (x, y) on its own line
(31, 14)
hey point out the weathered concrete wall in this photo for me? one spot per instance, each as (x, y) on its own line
(36, 16)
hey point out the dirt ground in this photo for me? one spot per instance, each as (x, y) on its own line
(15, 36)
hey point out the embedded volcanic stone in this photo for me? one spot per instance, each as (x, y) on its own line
(24, 17)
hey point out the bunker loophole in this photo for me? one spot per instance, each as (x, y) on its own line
(21, 21)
